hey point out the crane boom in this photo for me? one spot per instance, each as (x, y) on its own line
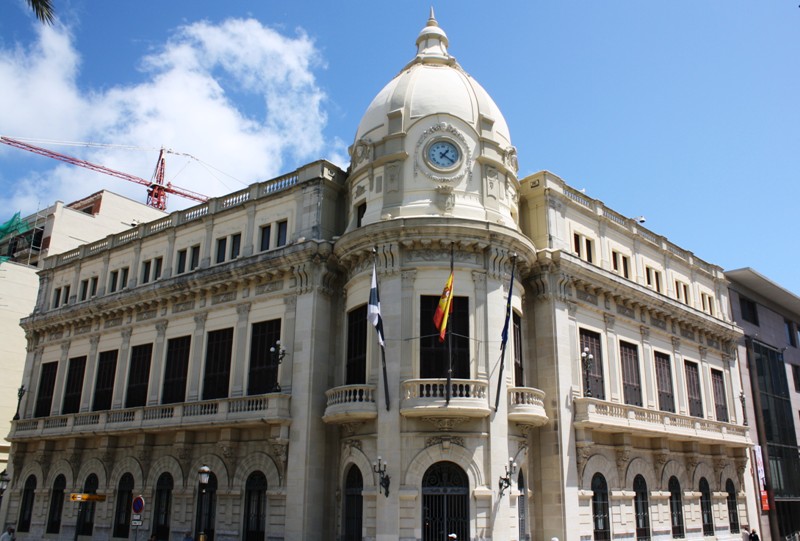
(156, 189)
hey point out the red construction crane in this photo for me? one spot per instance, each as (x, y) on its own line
(156, 189)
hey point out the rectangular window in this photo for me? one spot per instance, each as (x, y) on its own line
(146, 271)
(221, 245)
(266, 231)
(666, 396)
(84, 293)
(112, 281)
(195, 259)
(790, 335)
(74, 385)
(682, 291)
(433, 358)
(360, 211)
(749, 310)
(104, 384)
(631, 382)
(57, 297)
(138, 376)
(236, 245)
(217, 375)
(123, 278)
(708, 303)
(693, 389)
(176, 370)
(584, 247)
(621, 264)
(653, 278)
(47, 384)
(181, 262)
(158, 263)
(66, 295)
(263, 376)
(282, 231)
(796, 377)
(357, 346)
(590, 344)
(720, 402)
(519, 370)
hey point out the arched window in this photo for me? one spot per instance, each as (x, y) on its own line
(641, 508)
(206, 508)
(705, 507)
(676, 507)
(26, 506)
(122, 516)
(56, 505)
(600, 518)
(522, 507)
(733, 507)
(86, 509)
(255, 507)
(353, 505)
(445, 502)
(162, 507)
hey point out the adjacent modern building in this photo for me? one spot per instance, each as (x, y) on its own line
(585, 385)
(770, 365)
(24, 242)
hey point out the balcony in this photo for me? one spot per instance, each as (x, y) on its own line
(427, 398)
(526, 406)
(604, 416)
(351, 403)
(250, 410)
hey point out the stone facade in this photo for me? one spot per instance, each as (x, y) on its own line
(250, 353)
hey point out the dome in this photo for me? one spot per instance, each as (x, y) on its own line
(432, 83)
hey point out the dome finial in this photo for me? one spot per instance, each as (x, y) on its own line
(432, 19)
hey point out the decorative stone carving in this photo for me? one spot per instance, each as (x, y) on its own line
(445, 199)
(223, 297)
(492, 182)
(645, 332)
(392, 177)
(510, 159)
(269, 287)
(676, 343)
(362, 150)
(586, 296)
(280, 452)
(147, 314)
(610, 321)
(623, 457)
(183, 307)
(200, 319)
(444, 441)
(445, 424)
(464, 170)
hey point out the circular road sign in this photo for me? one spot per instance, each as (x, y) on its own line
(138, 504)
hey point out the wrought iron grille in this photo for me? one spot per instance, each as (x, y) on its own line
(445, 502)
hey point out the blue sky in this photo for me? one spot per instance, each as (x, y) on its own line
(685, 112)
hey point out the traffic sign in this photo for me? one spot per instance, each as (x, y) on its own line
(136, 517)
(77, 497)
(136, 522)
(138, 504)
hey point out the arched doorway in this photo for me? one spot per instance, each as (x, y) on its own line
(353, 504)
(445, 502)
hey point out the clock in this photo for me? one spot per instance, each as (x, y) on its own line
(443, 154)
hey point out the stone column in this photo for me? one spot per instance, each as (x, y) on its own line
(157, 364)
(612, 360)
(240, 362)
(649, 375)
(63, 367)
(196, 360)
(123, 361)
(681, 399)
(88, 378)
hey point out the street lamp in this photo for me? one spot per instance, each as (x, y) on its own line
(20, 394)
(203, 475)
(505, 480)
(276, 354)
(588, 360)
(379, 467)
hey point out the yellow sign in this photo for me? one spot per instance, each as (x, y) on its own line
(75, 497)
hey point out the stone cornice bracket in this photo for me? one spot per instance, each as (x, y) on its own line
(387, 255)
(585, 452)
(622, 459)
(279, 450)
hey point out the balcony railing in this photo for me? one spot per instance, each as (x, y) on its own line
(526, 406)
(428, 398)
(611, 417)
(351, 403)
(270, 408)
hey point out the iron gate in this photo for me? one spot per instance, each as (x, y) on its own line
(445, 502)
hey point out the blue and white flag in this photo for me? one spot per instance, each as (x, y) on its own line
(374, 307)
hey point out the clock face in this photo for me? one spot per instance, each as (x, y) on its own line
(443, 155)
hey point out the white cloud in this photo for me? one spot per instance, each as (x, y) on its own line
(237, 94)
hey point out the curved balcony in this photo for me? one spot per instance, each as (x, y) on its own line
(351, 403)
(272, 409)
(526, 406)
(603, 416)
(428, 398)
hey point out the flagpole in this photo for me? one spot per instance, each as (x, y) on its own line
(505, 334)
(379, 326)
(448, 391)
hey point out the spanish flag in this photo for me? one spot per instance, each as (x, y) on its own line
(445, 308)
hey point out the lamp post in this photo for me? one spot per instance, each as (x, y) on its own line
(379, 467)
(588, 360)
(20, 394)
(203, 475)
(276, 355)
(505, 480)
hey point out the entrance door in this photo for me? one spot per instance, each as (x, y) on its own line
(445, 502)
